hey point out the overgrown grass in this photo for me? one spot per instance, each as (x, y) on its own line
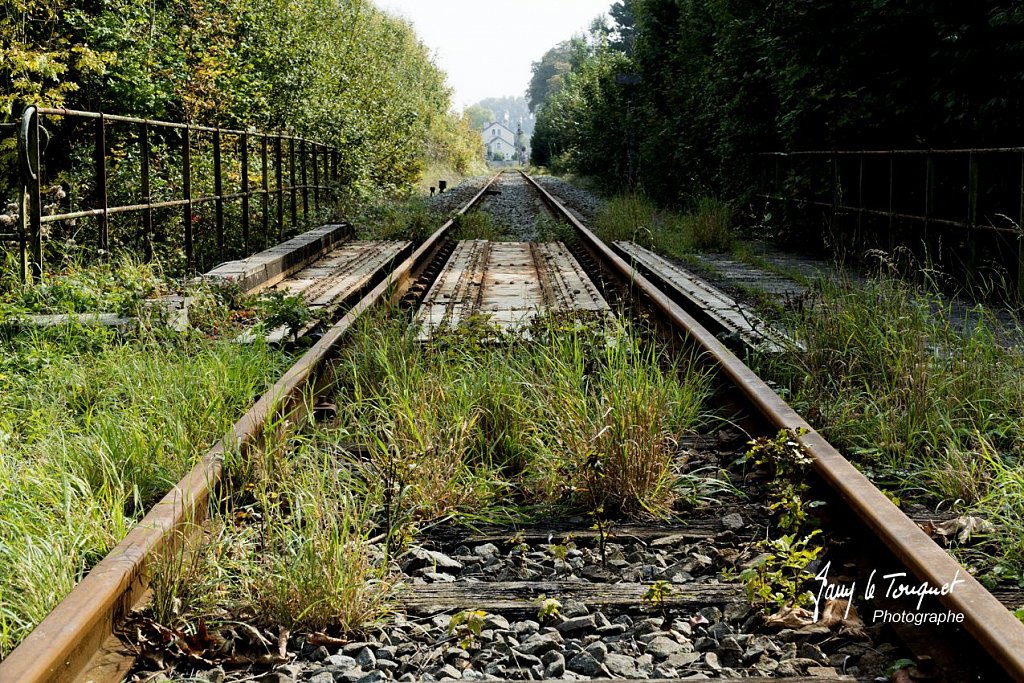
(466, 426)
(95, 427)
(636, 218)
(477, 225)
(395, 219)
(922, 402)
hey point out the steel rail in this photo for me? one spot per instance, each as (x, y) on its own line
(64, 644)
(988, 621)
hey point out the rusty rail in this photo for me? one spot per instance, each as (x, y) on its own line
(999, 632)
(324, 160)
(66, 644)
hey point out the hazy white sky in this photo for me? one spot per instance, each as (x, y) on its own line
(487, 47)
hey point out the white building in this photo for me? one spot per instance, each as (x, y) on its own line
(500, 141)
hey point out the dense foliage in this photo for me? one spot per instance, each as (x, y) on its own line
(341, 71)
(678, 95)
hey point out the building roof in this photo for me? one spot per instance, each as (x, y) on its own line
(495, 123)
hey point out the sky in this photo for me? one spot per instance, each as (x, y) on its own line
(487, 47)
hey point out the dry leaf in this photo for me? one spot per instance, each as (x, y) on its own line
(790, 617)
(325, 640)
(835, 614)
(964, 527)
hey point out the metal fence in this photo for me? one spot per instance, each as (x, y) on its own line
(291, 170)
(964, 207)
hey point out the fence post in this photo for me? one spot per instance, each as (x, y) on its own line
(218, 191)
(265, 188)
(291, 178)
(147, 212)
(244, 151)
(186, 194)
(892, 238)
(101, 181)
(1020, 234)
(860, 194)
(279, 175)
(316, 178)
(305, 180)
(31, 204)
(972, 207)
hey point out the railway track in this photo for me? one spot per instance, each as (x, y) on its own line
(557, 598)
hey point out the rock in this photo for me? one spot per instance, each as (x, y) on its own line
(407, 678)
(812, 651)
(720, 630)
(523, 661)
(661, 647)
(453, 654)
(486, 550)
(438, 577)
(215, 675)
(525, 628)
(576, 625)
(712, 614)
(322, 677)
(274, 677)
(705, 644)
(597, 649)
(585, 664)
(574, 608)
(448, 671)
(620, 665)
(766, 665)
(611, 630)
(730, 651)
(648, 626)
(351, 675)
(733, 521)
(554, 664)
(797, 666)
(442, 561)
(822, 672)
(340, 661)
(320, 654)
(681, 659)
(662, 671)
(366, 658)
(387, 665)
(539, 643)
(711, 660)
(496, 622)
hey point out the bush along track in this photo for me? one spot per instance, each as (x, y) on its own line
(96, 424)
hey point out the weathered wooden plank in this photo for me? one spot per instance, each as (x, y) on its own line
(508, 596)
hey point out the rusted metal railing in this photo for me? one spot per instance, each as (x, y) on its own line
(967, 197)
(244, 190)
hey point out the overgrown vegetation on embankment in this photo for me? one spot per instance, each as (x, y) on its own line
(678, 97)
(927, 405)
(342, 72)
(96, 425)
(475, 425)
